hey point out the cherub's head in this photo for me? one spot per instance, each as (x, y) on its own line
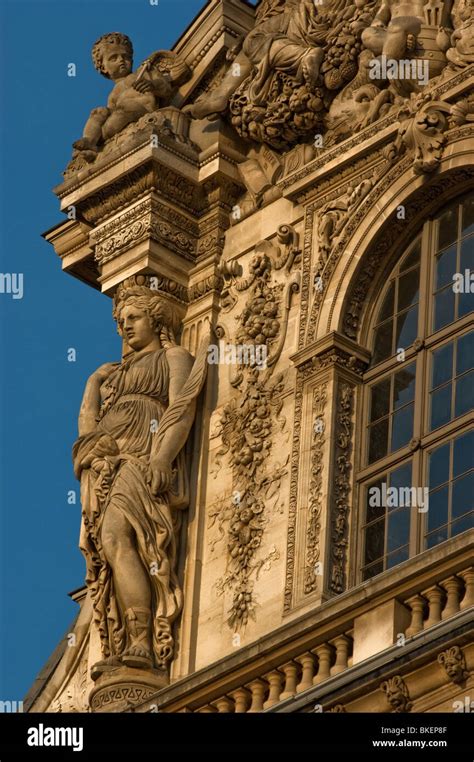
(112, 55)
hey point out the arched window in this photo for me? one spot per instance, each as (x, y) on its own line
(416, 477)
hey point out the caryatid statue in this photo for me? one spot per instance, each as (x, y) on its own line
(135, 418)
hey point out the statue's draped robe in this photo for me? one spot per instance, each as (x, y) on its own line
(280, 43)
(134, 400)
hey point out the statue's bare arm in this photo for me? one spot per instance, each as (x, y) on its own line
(91, 399)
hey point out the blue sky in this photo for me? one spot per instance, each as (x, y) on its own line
(43, 111)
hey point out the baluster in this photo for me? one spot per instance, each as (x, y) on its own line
(324, 654)
(468, 577)
(417, 605)
(257, 689)
(274, 681)
(208, 709)
(224, 705)
(290, 671)
(307, 664)
(435, 596)
(341, 644)
(453, 587)
(241, 698)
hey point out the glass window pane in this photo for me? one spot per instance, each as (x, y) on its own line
(442, 366)
(383, 342)
(380, 400)
(386, 310)
(401, 477)
(378, 440)
(374, 541)
(465, 304)
(463, 454)
(468, 215)
(462, 525)
(438, 508)
(440, 407)
(412, 259)
(464, 394)
(434, 539)
(445, 267)
(439, 466)
(448, 226)
(374, 511)
(372, 571)
(402, 427)
(444, 308)
(408, 288)
(463, 495)
(398, 528)
(397, 558)
(404, 386)
(465, 353)
(407, 328)
(467, 255)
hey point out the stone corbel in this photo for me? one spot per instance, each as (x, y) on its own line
(396, 691)
(454, 663)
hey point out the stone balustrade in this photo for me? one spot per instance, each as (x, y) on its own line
(434, 604)
(292, 678)
(440, 601)
(345, 632)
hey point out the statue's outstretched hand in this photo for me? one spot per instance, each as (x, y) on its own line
(160, 475)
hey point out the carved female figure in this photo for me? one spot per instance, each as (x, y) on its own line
(135, 418)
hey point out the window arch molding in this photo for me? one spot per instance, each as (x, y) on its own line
(368, 226)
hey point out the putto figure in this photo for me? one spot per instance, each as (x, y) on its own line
(395, 28)
(135, 93)
(134, 422)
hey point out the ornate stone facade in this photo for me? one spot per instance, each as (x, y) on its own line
(253, 203)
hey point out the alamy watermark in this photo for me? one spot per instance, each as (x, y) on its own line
(399, 497)
(384, 68)
(12, 283)
(254, 355)
(11, 707)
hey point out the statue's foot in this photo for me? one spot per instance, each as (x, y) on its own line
(411, 43)
(209, 107)
(311, 66)
(137, 657)
(106, 665)
(84, 144)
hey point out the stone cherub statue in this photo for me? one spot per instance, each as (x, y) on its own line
(134, 422)
(134, 93)
(395, 28)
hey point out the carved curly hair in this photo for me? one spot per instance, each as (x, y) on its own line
(114, 38)
(158, 311)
